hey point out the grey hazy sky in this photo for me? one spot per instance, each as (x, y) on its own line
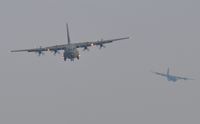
(112, 85)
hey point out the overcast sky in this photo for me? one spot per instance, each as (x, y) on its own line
(111, 86)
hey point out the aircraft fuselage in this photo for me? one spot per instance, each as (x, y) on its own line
(71, 52)
(171, 78)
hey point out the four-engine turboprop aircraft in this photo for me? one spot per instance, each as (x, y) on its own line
(70, 49)
(172, 77)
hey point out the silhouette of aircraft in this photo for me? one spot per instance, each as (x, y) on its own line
(172, 78)
(70, 49)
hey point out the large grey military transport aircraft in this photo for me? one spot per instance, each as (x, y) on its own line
(70, 49)
(172, 78)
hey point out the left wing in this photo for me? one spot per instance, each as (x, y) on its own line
(183, 78)
(100, 43)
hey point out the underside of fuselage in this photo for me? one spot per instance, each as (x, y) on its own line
(71, 53)
(172, 78)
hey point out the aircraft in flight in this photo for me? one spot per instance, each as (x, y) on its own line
(172, 78)
(70, 49)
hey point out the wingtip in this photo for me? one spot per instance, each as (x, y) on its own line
(14, 50)
(123, 38)
(127, 38)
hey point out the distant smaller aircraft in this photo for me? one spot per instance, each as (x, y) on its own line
(172, 77)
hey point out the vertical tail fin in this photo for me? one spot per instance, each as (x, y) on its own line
(168, 71)
(68, 37)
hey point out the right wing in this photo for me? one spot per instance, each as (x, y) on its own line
(40, 49)
(56, 47)
(30, 50)
(161, 74)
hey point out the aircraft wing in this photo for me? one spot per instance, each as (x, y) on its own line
(100, 43)
(77, 45)
(51, 48)
(183, 78)
(161, 74)
(56, 47)
(30, 50)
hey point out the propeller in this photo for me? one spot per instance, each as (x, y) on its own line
(86, 48)
(101, 46)
(40, 51)
(55, 52)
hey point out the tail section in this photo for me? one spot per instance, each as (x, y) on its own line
(68, 37)
(168, 72)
